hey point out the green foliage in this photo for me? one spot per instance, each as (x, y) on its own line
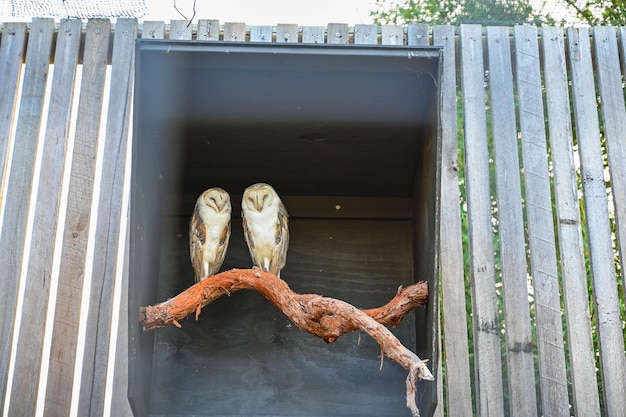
(596, 12)
(453, 11)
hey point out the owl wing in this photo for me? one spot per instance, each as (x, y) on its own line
(221, 250)
(247, 234)
(197, 240)
(282, 240)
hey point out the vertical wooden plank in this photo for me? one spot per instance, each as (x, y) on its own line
(393, 35)
(260, 34)
(77, 221)
(15, 213)
(488, 362)
(366, 34)
(519, 340)
(552, 374)
(153, 30)
(312, 34)
(94, 366)
(581, 351)
(208, 30)
(614, 118)
(234, 31)
(608, 321)
(455, 341)
(338, 33)
(287, 32)
(417, 34)
(11, 57)
(47, 203)
(180, 30)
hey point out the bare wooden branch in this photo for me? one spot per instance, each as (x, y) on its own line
(325, 317)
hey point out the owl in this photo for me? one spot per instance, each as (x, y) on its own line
(265, 227)
(209, 232)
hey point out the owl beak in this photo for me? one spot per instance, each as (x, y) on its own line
(259, 206)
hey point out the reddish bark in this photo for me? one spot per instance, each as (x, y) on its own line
(325, 317)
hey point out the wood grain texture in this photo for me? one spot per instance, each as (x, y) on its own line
(538, 199)
(153, 29)
(393, 35)
(11, 56)
(581, 353)
(338, 33)
(261, 33)
(96, 346)
(488, 361)
(455, 341)
(417, 34)
(614, 118)
(313, 34)
(286, 33)
(77, 220)
(180, 30)
(366, 34)
(17, 200)
(608, 321)
(208, 30)
(235, 32)
(47, 204)
(519, 340)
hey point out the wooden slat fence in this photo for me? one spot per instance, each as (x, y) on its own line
(533, 221)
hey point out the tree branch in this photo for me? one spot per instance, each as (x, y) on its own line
(325, 317)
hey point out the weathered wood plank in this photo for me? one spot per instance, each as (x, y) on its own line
(313, 34)
(11, 56)
(234, 31)
(393, 35)
(552, 374)
(180, 30)
(614, 118)
(519, 340)
(608, 321)
(77, 221)
(582, 361)
(287, 32)
(153, 30)
(366, 34)
(14, 224)
(96, 346)
(260, 34)
(417, 34)
(488, 361)
(455, 342)
(38, 277)
(338, 33)
(208, 30)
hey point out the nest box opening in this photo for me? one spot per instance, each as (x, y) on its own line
(349, 137)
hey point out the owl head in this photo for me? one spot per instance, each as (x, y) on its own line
(216, 199)
(259, 196)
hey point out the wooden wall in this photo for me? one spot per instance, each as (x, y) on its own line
(543, 158)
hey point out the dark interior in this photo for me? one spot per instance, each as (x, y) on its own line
(348, 136)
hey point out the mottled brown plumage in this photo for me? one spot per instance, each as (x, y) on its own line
(209, 232)
(265, 226)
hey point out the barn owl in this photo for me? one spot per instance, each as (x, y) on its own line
(209, 232)
(265, 227)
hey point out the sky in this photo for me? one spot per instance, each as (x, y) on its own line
(266, 12)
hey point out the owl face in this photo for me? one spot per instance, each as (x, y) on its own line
(259, 196)
(265, 225)
(217, 200)
(209, 232)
